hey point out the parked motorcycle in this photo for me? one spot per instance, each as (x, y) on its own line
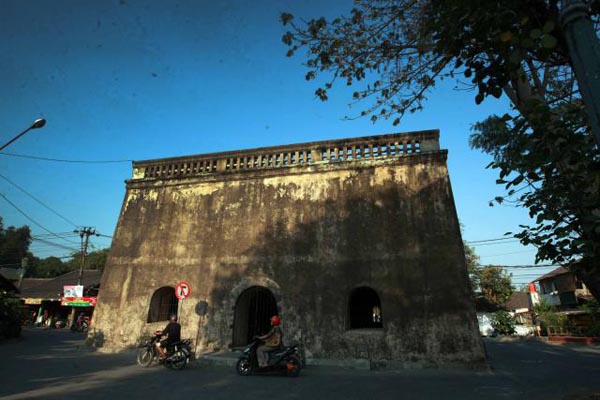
(178, 354)
(285, 360)
(82, 324)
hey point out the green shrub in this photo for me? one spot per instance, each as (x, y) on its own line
(503, 323)
(548, 316)
(10, 315)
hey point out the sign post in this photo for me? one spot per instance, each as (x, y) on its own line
(201, 310)
(182, 291)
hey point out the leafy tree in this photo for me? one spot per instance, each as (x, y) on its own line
(93, 260)
(473, 269)
(495, 284)
(14, 244)
(46, 268)
(394, 52)
(593, 309)
(11, 314)
(503, 323)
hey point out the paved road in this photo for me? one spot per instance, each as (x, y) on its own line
(55, 364)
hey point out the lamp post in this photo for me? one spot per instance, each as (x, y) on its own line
(38, 123)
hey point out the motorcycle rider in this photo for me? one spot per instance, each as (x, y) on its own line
(171, 334)
(273, 340)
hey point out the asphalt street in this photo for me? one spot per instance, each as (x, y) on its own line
(56, 364)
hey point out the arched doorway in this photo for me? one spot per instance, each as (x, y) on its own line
(252, 316)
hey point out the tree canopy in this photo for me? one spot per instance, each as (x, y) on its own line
(394, 52)
(14, 244)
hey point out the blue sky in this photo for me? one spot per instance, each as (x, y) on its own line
(133, 80)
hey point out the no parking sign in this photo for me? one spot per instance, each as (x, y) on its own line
(182, 290)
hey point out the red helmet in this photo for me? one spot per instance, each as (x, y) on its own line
(275, 320)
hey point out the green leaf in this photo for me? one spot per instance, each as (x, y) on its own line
(527, 43)
(548, 26)
(535, 33)
(515, 57)
(479, 98)
(506, 36)
(285, 18)
(287, 38)
(517, 180)
(549, 41)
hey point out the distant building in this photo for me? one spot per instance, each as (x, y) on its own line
(46, 294)
(562, 288)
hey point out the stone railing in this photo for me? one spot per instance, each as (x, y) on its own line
(295, 155)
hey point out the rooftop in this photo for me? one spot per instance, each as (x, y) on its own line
(52, 288)
(553, 273)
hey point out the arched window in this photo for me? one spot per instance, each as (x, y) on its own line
(163, 304)
(364, 309)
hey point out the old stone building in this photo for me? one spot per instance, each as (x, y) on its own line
(355, 243)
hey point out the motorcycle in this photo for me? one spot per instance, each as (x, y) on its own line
(178, 354)
(81, 325)
(286, 360)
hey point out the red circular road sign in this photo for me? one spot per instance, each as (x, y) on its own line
(182, 290)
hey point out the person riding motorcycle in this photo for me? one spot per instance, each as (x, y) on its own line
(171, 334)
(273, 340)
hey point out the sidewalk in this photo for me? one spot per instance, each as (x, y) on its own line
(230, 359)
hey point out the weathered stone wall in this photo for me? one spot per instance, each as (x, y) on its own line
(310, 234)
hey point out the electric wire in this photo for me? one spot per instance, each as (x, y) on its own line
(493, 243)
(506, 254)
(490, 240)
(65, 161)
(31, 219)
(57, 245)
(38, 200)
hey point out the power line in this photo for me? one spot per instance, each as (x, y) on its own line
(31, 219)
(38, 200)
(66, 161)
(524, 266)
(494, 243)
(63, 234)
(505, 254)
(490, 240)
(56, 245)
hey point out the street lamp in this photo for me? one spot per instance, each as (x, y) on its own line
(38, 123)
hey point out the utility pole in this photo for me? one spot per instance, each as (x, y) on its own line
(84, 233)
(584, 49)
(24, 264)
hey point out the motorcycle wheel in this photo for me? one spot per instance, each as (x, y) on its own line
(243, 367)
(294, 365)
(145, 357)
(179, 360)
